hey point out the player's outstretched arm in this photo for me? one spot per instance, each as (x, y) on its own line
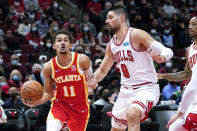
(158, 52)
(105, 66)
(178, 76)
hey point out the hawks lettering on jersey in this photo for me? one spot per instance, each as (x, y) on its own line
(123, 55)
(192, 60)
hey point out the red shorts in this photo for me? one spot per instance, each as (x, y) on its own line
(76, 116)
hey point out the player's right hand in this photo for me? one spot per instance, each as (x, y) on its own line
(29, 103)
(92, 83)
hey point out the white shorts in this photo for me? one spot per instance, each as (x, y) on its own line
(144, 98)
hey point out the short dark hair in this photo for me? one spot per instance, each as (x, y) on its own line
(119, 9)
(61, 32)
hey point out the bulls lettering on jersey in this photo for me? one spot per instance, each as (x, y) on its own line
(123, 55)
(136, 65)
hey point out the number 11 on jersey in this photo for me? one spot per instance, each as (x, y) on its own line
(72, 91)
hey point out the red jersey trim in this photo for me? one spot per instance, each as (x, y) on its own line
(121, 40)
(132, 43)
(78, 68)
(73, 58)
(86, 94)
(116, 119)
(53, 69)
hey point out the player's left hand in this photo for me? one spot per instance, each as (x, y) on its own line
(156, 56)
(174, 118)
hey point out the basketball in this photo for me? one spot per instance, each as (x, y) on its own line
(31, 91)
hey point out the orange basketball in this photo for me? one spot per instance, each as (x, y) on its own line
(31, 91)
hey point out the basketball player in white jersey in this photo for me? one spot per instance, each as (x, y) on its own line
(186, 117)
(139, 91)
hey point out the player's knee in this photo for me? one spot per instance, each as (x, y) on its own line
(133, 115)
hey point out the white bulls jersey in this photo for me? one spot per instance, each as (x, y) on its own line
(192, 56)
(136, 66)
(192, 59)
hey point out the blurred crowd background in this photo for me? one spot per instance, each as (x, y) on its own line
(27, 27)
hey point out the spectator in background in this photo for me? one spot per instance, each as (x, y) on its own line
(86, 38)
(19, 6)
(94, 9)
(33, 37)
(104, 37)
(167, 36)
(169, 8)
(169, 89)
(177, 96)
(73, 30)
(103, 100)
(13, 98)
(47, 48)
(85, 20)
(31, 4)
(37, 73)
(2, 67)
(54, 27)
(42, 59)
(15, 64)
(104, 12)
(79, 49)
(3, 47)
(43, 26)
(11, 41)
(45, 4)
(155, 35)
(4, 88)
(72, 20)
(15, 79)
(29, 77)
(24, 27)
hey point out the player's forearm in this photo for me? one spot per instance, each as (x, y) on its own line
(46, 97)
(99, 75)
(179, 76)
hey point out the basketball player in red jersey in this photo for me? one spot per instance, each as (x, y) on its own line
(134, 51)
(69, 71)
(186, 117)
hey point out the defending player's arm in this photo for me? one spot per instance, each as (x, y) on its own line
(178, 76)
(158, 52)
(105, 66)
